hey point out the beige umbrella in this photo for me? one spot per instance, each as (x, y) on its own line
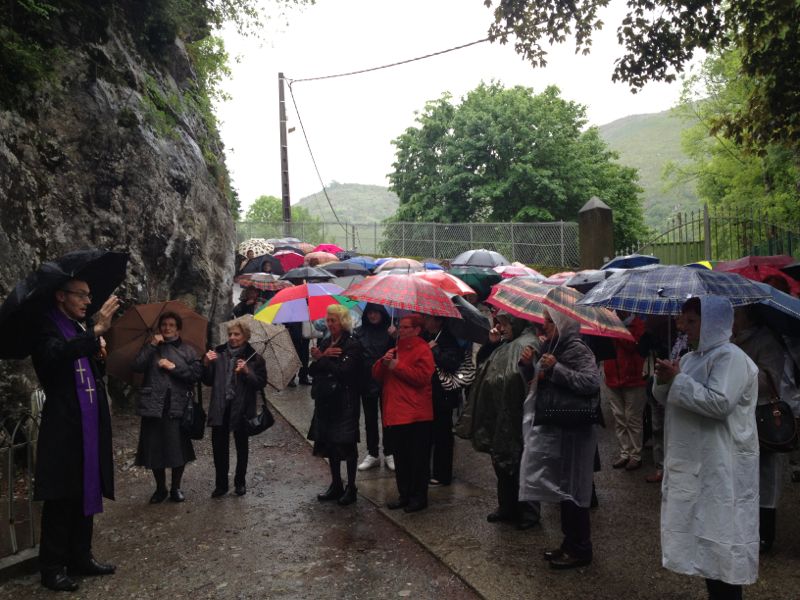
(274, 343)
(406, 264)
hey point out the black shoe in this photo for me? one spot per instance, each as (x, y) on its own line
(525, 524)
(92, 567)
(349, 495)
(158, 496)
(176, 495)
(565, 561)
(553, 554)
(499, 516)
(240, 490)
(415, 507)
(219, 492)
(56, 578)
(765, 545)
(334, 492)
(399, 503)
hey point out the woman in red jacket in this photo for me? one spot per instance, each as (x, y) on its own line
(407, 408)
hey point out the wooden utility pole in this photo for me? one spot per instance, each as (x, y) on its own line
(287, 208)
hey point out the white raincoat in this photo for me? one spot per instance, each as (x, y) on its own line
(709, 505)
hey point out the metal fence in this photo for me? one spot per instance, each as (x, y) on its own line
(546, 244)
(716, 234)
(18, 435)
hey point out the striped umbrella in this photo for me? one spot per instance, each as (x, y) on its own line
(528, 299)
(662, 290)
(601, 320)
(306, 302)
(446, 282)
(263, 281)
(404, 291)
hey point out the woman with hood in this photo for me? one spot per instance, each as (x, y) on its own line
(375, 340)
(558, 462)
(709, 501)
(497, 397)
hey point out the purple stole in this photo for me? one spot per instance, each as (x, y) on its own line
(86, 390)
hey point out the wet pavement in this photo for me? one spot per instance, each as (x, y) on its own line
(278, 541)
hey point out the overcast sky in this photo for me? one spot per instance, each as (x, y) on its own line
(351, 121)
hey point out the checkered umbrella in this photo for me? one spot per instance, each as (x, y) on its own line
(528, 299)
(446, 282)
(662, 290)
(404, 291)
(263, 281)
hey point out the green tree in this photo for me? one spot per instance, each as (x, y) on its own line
(269, 209)
(509, 155)
(727, 175)
(661, 36)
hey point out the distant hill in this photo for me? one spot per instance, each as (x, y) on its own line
(648, 143)
(353, 202)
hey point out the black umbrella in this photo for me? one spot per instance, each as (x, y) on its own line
(263, 264)
(473, 325)
(480, 258)
(24, 307)
(346, 268)
(301, 274)
(288, 247)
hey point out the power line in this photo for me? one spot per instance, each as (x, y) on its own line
(395, 64)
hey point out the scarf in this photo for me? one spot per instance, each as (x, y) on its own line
(86, 391)
(232, 355)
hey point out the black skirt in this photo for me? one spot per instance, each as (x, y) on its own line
(162, 444)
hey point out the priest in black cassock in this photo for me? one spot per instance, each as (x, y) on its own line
(74, 468)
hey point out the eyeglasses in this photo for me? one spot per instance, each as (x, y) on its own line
(81, 294)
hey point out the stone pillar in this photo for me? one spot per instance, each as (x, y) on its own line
(596, 233)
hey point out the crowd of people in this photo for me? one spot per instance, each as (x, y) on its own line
(699, 390)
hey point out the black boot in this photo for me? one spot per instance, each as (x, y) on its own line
(334, 492)
(766, 527)
(349, 495)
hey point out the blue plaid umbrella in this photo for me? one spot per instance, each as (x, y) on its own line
(662, 290)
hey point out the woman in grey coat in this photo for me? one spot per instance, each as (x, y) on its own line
(236, 374)
(558, 463)
(171, 368)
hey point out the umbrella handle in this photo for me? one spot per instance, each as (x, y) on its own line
(249, 357)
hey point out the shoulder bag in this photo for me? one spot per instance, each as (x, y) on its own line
(193, 421)
(262, 421)
(777, 428)
(463, 376)
(561, 407)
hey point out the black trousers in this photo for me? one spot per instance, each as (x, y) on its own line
(719, 590)
(508, 501)
(66, 534)
(442, 443)
(371, 406)
(576, 529)
(411, 444)
(220, 445)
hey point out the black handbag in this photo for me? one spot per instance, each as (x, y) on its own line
(262, 421)
(564, 408)
(193, 422)
(777, 428)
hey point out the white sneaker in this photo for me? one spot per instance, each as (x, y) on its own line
(370, 462)
(389, 462)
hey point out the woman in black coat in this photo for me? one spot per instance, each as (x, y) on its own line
(335, 390)
(236, 374)
(171, 368)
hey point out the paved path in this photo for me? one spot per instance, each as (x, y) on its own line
(279, 542)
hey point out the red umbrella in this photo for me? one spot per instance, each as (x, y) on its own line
(446, 282)
(758, 268)
(263, 281)
(518, 270)
(603, 321)
(404, 291)
(332, 248)
(289, 259)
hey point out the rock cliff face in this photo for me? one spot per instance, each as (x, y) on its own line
(110, 156)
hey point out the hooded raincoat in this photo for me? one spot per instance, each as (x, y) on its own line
(497, 396)
(557, 463)
(709, 502)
